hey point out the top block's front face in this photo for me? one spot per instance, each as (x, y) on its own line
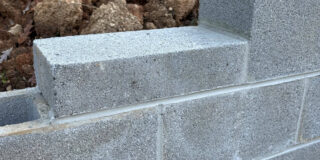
(284, 34)
(88, 73)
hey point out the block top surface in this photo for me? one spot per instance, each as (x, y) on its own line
(110, 46)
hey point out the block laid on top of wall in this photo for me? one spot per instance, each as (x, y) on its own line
(84, 74)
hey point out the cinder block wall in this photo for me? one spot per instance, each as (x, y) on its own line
(244, 84)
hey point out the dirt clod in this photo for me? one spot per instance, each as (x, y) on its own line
(112, 17)
(16, 30)
(181, 8)
(57, 18)
(136, 10)
(157, 13)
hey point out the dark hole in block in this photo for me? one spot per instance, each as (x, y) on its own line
(17, 110)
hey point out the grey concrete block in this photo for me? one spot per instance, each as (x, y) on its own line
(303, 152)
(234, 15)
(121, 137)
(88, 73)
(284, 35)
(241, 125)
(310, 127)
(285, 38)
(18, 106)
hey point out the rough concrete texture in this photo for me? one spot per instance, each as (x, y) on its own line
(310, 127)
(139, 66)
(305, 152)
(285, 38)
(125, 136)
(284, 35)
(232, 14)
(241, 125)
(18, 107)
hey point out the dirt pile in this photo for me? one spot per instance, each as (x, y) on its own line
(22, 21)
(181, 8)
(112, 17)
(57, 18)
(16, 70)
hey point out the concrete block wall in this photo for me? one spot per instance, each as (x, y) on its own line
(244, 84)
(284, 36)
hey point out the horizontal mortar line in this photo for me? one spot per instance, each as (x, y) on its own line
(294, 148)
(182, 98)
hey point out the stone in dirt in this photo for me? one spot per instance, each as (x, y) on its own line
(149, 25)
(16, 30)
(136, 10)
(57, 18)
(7, 40)
(112, 17)
(12, 10)
(101, 2)
(181, 8)
(157, 13)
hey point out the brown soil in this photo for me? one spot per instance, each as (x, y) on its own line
(22, 21)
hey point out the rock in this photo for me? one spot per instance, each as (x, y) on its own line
(181, 8)
(73, 1)
(157, 13)
(20, 85)
(11, 9)
(16, 30)
(150, 25)
(101, 2)
(9, 88)
(56, 18)
(7, 40)
(112, 17)
(21, 60)
(136, 10)
(141, 2)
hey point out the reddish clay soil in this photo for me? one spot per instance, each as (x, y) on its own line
(22, 21)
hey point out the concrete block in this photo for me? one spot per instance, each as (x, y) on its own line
(241, 125)
(88, 73)
(125, 136)
(284, 35)
(304, 152)
(18, 107)
(234, 15)
(285, 39)
(310, 128)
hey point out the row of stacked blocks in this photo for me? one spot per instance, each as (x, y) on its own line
(244, 84)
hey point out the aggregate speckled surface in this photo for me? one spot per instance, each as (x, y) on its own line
(241, 125)
(146, 65)
(110, 46)
(126, 136)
